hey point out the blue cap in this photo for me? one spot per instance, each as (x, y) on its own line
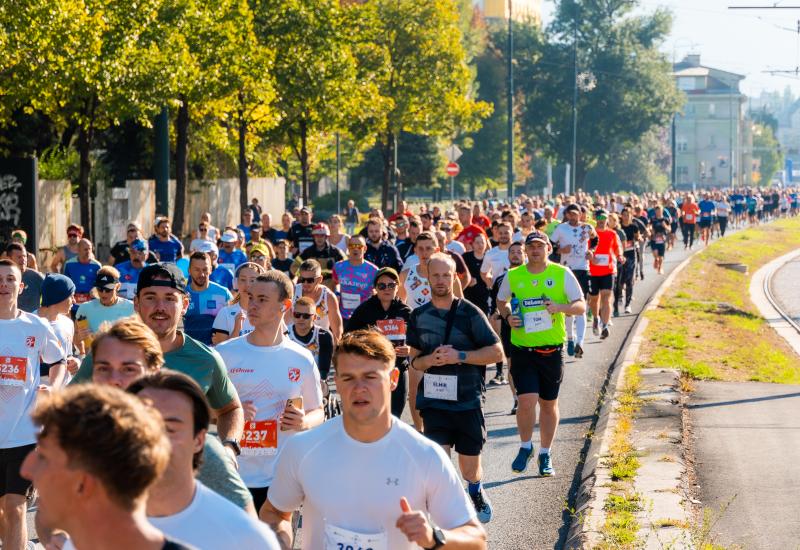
(140, 245)
(56, 288)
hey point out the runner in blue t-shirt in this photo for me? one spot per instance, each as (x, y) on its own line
(355, 276)
(205, 299)
(82, 269)
(707, 209)
(129, 271)
(166, 246)
(230, 257)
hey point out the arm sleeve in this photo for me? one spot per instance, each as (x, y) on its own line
(572, 287)
(221, 391)
(504, 293)
(325, 354)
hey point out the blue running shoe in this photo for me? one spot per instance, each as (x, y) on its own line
(545, 465)
(483, 506)
(570, 348)
(520, 463)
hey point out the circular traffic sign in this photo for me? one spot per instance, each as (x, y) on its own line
(453, 169)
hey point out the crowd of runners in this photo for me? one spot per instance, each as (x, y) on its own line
(220, 394)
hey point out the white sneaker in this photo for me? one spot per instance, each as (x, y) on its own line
(627, 309)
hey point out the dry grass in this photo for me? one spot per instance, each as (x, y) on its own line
(707, 327)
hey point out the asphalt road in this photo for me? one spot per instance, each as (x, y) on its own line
(529, 511)
(747, 440)
(786, 288)
(532, 512)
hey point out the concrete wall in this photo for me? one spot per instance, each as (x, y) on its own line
(52, 217)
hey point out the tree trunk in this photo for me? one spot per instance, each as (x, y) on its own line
(181, 166)
(388, 160)
(84, 167)
(304, 159)
(243, 180)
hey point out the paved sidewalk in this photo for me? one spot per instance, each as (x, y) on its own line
(747, 445)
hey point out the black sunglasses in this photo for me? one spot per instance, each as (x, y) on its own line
(384, 286)
(303, 315)
(308, 280)
(101, 289)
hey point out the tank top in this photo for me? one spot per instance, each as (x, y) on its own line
(68, 255)
(323, 320)
(312, 345)
(604, 261)
(342, 244)
(418, 289)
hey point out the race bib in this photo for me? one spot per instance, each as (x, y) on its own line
(628, 245)
(659, 239)
(13, 371)
(601, 259)
(441, 386)
(82, 297)
(350, 301)
(302, 245)
(339, 538)
(537, 321)
(260, 438)
(689, 217)
(393, 329)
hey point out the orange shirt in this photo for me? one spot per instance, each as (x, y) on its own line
(690, 212)
(605, 257)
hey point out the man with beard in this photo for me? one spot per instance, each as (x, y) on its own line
(167, 247)
(129, 270)
(380, 251)
(206, 299)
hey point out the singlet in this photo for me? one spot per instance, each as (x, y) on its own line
(68, 255)
(418, 289)
(355, 284)
(323, 320)
(342, 244)
(311, 345)
(604, 261)
(539, 328)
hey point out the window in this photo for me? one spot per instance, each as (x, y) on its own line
(686, 83)
(683, 174)
(712, 110)
(681, 145)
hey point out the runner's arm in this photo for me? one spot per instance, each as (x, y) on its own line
(56, 374)
(458, 292)
(401, 289)
(230, 420)
(335, 316)
(279, 521)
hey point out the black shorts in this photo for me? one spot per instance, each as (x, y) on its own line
(601, 282)
(704, 223)
(11, 482)
(673, 227)
(658, 248)
(538, 370)
(465, 431)
(259, 495)
(583, 279)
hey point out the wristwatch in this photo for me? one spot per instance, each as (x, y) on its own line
(462, 356)
(233, 444)
(438, 538)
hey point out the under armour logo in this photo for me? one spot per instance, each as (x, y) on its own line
(393, 481)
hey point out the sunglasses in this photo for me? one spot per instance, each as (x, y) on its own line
(104, 290)
(355, 246)
(258, 258)
(73, 235)
(384, 286)
(204, 229)
(307, 280)
(303, 315)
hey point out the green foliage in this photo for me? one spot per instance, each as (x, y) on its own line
(325, 205)
(767, 151)
(58, 163)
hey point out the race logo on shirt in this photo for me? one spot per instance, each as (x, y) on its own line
(30, 341)
(294, 375)
(549, 283)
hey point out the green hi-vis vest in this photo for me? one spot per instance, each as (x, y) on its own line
(539, 328)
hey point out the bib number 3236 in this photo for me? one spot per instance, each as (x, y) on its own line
(338, 538)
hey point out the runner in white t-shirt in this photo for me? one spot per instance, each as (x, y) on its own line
(366, 479)
(27, 340)
(61, 288)
(277, 381)
(495, 261)
(231, 321)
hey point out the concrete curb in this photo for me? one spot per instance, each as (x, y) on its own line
(589, 515)
(768, 310)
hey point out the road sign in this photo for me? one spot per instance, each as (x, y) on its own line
(453, 169)
(453, 153)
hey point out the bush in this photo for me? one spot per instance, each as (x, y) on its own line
(325, 205)
(59, 163)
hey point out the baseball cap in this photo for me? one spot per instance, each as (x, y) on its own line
(573, 208)
(229, 237)
(140, 245)
(537, 236)
(105, 280)
(306, 209)
(206, 246)
(389, 272)
(258, 249)
(161, 274)
(601, 214)
(56, 288)
(320, 229)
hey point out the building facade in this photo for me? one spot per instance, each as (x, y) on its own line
(712, 136)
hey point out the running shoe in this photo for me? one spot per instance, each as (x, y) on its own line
(627, 309)
(616, 312)
(483, 506)
(497, 380)
(596, 326)
(514, 408)
(520, 463)
(604, 333)
(546, 465)
(578, 351)
(570, 348)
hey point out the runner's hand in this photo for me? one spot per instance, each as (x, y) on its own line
(553, 307)
(293, 419)
(589, 255)
(402, 351)
(445, 355)
(566, 249)
(414, 525)
(73, 365)
(515, 321)
(250, 411)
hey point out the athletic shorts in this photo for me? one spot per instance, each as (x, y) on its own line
(583, 279)
(601, 282)
(704, 223)
(465, 431)
(259, 495)
(673, 227)
(658, 248)
(538, 370)
(11, 482)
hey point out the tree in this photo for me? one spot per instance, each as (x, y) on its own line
(767, 152)
(316, 84)
(414, 52)
(633, 93)
(87, 65)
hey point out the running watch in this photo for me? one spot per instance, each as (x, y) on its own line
(233, 444)
(462, 356)
(438, 537)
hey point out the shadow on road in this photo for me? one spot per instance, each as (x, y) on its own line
(740, 401)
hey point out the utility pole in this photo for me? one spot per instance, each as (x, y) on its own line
(510, 160)
(574, 100)
(338, 169)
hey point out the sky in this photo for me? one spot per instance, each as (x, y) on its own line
(746, 42)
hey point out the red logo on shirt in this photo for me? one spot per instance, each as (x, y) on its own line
(294, 375)
(30, 341)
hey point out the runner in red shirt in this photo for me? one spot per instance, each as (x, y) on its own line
(689, 212)
(470, 230)
(602, 268)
